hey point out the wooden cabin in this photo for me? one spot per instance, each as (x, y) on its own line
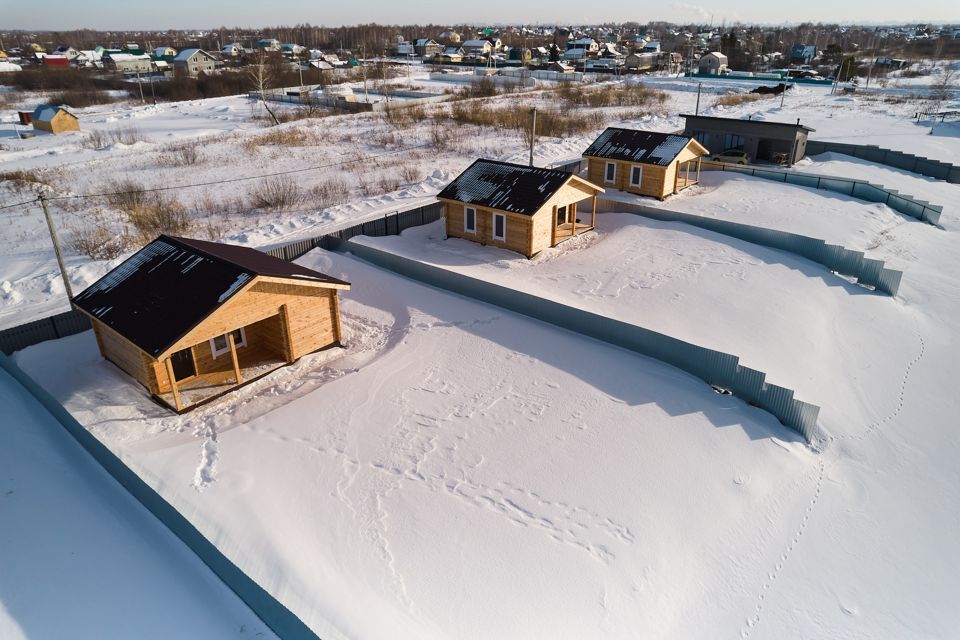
(54, 119)
(647, 163)
(191, 320)
(524, 209)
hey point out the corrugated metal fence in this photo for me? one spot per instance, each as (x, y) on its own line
(716, 368)
(913, 207)
(896, 159)
(72, 322)
(844, 261)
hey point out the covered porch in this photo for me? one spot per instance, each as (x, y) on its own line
(572, 220)
(211, 368)
(688, 174)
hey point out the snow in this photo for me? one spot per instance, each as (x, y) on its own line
(79, 557)
(461, 471)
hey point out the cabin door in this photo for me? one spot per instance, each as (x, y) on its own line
(764, 150)
(183, 366)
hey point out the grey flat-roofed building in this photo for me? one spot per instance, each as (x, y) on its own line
(762, 140)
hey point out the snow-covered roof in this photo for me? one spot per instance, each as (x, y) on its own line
(505, 186)
(126, 57)
(186, 54)
(476, 43)
(632, 145)
(46, 113)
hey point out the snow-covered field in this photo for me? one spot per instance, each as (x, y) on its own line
(461, 471)
(80, 558)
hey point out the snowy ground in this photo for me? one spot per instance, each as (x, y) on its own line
(460, 471)
(80, 558)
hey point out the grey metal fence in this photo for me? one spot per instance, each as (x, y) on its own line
(274, 614)
(49, 328)
(897, 159)
(844, 261)
(716, 368)
(913, 207)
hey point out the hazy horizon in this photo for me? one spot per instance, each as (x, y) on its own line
(47, 15)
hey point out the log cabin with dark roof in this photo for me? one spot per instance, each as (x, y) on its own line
(518, 207)
(191, 320)
(647, 163)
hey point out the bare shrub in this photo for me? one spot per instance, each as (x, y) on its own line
(125, 194)
(287, 137)
(446, 138)
(485, 87)
(186, 154)
(400, 117)
(410, 173)
(95, 139)
(623, 95)
(125, 135)
(159, 213)
(24, 178)
(734, 99)
(328, 192)
(388, 182)
(96, 240)
(278, 192)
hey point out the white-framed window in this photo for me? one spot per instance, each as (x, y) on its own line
(636, 175)
(469, 220)
(220, 345)
(610, 173)
(499, 226)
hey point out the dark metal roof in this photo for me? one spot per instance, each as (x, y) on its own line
(161, 292)
(756, 122)
(632, 145)
(506, 186)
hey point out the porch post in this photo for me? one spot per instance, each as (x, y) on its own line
(573, 219)
(173, 384)
(698, 169)
(553, 228)
(593, 213)
(233, 356)
(338, 330)
(285, 330)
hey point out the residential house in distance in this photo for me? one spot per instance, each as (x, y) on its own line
(802, 53)
(647, 163)
(54, 119)
(712, 63)
(452, 55)
(762, 140)
(122, 62)
(232, 50)
(194, 61)
(164, 53)
(640, 61)
(516, 207)
(268, 44)
(450, 37)
(405, 48)
(292, 50)
(427, 47)
(476, 48)
(587, 44)
(191, 320)
(56, 61)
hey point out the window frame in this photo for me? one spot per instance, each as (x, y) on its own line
(226, 349)
(493, 228)
(634, 169)
(566, 214)
(607, 178)
(467, 229)
(728, 139)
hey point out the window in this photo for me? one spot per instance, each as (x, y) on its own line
(732, 141)
(636, 175)
(701, 137)
(611, 172)
(470, 220)
(499, 226)
(220, 345)
(561, 215)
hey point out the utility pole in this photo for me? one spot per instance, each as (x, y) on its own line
(696, 111)
(786, 83)
(56, 246)
(533, 131)
(140, 86)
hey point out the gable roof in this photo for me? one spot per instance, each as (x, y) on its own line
(632, 145)
(186, 54)
(157, 295)
(506, 186)
(46, 113)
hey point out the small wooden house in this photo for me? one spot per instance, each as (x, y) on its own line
(647, 163)
(524, 209)
(191, 319)
(54, 119)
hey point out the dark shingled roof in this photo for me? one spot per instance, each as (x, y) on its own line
(161, 292)
(647, 147)
(506, 186)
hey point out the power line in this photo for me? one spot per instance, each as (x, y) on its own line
(230, 180)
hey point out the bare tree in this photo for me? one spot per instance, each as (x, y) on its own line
(261, 77)
(943, 87)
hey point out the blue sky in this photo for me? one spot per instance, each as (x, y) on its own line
(190, 14)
